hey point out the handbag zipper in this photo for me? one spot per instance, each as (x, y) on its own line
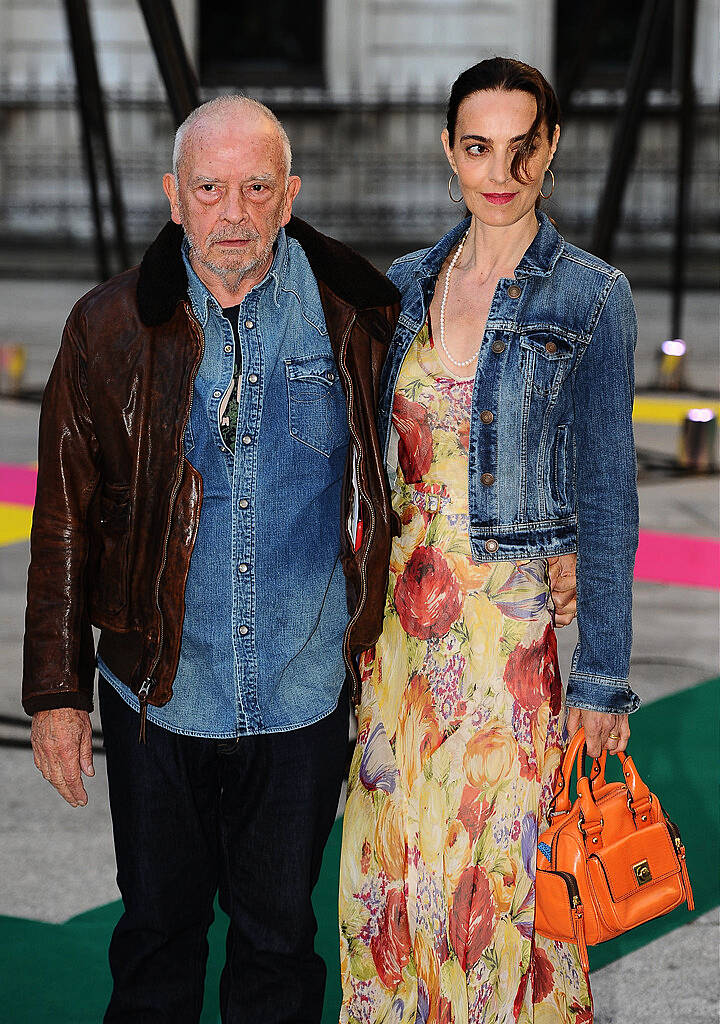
(149, 684)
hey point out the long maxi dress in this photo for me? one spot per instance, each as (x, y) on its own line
(458, 747)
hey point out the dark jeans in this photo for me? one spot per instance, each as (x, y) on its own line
(248, 819)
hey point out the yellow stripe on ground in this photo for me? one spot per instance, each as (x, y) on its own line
(668, 410)
(15, 522)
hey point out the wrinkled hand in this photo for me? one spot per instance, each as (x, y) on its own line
(598, 727)
(62, 747)
(563, 587)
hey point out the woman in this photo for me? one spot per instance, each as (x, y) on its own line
(506, 415)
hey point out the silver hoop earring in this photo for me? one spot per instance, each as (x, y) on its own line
(552, 176)
(453, 175)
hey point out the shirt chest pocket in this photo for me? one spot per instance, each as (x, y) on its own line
(317, 415)
(545, 360)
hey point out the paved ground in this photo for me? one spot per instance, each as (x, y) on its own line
(56, 862)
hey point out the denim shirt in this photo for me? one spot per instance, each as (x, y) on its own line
(552, 467)
(265, 604)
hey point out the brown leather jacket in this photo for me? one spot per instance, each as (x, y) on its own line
(118, 505)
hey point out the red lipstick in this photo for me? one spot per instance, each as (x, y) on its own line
(499, 198)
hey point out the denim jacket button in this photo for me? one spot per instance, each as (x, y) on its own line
(487, 479)
(243, 567)
(243, 503)
(514, 291)
(228, 348)
(253, 378)
(246, 439)
(217, 394)
(551, 347)
(491, 545)
(498, 347)
(486, 416)
(243, 631)
(249, 324)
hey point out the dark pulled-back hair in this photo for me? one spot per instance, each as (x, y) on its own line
(505, 74)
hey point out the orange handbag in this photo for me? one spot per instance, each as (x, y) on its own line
(608, 862)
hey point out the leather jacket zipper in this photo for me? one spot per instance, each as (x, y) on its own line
(364, 504)
(149, 683)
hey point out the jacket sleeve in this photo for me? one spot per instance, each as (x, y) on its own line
(607, 509)
(59, 655)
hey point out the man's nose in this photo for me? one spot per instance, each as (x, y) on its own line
(234, 208)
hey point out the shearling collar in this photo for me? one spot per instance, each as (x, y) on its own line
(162, 281)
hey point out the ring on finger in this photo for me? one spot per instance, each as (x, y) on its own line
(614, 736)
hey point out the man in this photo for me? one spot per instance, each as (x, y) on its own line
(218, 401)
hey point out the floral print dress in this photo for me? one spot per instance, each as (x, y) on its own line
(459, 742)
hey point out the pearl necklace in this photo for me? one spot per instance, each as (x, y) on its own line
(473, 357)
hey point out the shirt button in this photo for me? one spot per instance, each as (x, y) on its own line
(246, 439)
(217, 394)
(249, 324)
(498, 347)
(253, 378)
(228, 348)
(491, 545)
(514, 291)
(487, 479)
(243, 630)
(486, 416)
(243, 567)
(243, 503)
(330, 376)
(551, 347)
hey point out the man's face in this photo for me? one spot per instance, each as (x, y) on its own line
(232, 196)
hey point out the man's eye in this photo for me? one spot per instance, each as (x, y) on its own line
(477, 148)
(207, 187)
(257, 187)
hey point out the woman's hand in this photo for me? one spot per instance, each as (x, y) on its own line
(602, 732)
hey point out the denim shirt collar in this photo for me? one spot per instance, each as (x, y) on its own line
(539, 260)
(203, 301)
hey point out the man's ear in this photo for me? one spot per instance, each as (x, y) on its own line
(293, 187)
(171, 191)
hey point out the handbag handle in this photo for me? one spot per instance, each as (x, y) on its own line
(640, 797)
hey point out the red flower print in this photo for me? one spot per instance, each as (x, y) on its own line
(472, 917)
(532, 674)
(542, 975)
(464, 434)
(528, 768)
(390, 948)
(365, 857)
(473, 812)
(445, 1011)
(415, 444)
(427, 596)
(520, 995)
(583, 1014)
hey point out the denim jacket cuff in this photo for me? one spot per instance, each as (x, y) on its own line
(601, 693)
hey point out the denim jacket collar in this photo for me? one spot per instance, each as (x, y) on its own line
(539, 260)
(202, 300)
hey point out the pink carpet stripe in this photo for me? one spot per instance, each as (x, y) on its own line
(17, 484)
(678, 558)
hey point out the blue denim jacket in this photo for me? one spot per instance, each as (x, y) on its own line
(556, 373)
(265, 600)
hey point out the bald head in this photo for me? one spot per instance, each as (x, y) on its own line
(225, 110)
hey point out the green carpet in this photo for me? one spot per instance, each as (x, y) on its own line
(59, 973)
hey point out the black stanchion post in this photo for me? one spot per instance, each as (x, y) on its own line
(96, 140)
(176, 70)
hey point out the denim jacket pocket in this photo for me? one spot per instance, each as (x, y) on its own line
(545, 360)
(112, 577)
(560, 468)
(317, 414)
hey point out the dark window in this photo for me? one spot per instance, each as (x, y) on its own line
(595, 42)
(273, 42)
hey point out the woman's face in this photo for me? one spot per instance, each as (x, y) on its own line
(491, 125)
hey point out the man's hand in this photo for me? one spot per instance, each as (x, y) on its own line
(62, 746)
(563, 587)
(598, 729)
